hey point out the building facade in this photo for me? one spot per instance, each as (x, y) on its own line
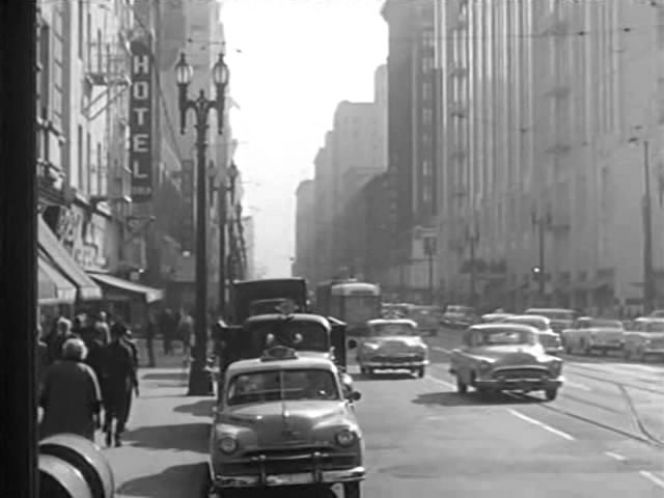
(412, 137)
(553, 115)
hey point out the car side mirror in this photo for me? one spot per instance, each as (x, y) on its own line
(354, 396)
(352, 344)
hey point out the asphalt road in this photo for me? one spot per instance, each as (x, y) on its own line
(599, 438)
(603, 436)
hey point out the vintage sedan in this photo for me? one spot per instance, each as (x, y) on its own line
(594, 334)
(645, 339)
(457, 316)
(505, 357)
(392, 345)
(495, 316)
(284, 421)
(547, 337)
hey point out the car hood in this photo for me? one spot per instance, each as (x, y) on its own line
(272, 423)
(395, 341)
(512, 355)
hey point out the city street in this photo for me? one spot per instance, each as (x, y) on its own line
(423, 438)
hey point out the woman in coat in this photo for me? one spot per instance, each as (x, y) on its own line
(70, 394)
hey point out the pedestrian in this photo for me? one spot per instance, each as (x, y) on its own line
(60, 333)
(120, 380)
(186, 331)
(102, 328)
(70, 395)
(42, 356)
(167, 326)
(150, 332)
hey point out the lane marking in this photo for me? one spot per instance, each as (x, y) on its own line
(615, 456)
(652, 478)
(441, 349)
(442, 382)
(561, 434)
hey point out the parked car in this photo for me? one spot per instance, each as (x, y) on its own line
(458, 316)
(547, 337)
(645, 339)
(391, 345)
(505, 357)
(589, 334)
(267, 430)
(561, 318)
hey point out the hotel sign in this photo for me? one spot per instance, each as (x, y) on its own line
(140, 121)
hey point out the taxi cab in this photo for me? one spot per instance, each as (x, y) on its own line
(392, 344)
(285, 421)
(505, 357)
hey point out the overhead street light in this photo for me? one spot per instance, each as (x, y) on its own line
(200, 379)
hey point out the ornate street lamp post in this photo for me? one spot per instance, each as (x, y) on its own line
(200, 379)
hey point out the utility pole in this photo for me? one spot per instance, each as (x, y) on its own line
(541, 222)
(648, 283)
(430, 251)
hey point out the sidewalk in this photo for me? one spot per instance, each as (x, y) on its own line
(166, 443)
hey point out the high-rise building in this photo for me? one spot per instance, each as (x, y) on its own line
(412, 136)
(551, 108)
(303, 266)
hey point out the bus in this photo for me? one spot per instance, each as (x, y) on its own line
(350, 301)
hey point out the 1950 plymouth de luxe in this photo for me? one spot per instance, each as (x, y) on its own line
(505, 357)
(392, 344)
(284, 421)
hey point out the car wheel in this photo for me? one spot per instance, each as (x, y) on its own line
(352, 490)
(483, 392)
(462, 388)
(551, 394)
(420, 372)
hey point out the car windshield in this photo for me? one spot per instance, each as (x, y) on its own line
(464, 310)
(654, 326)
(300, 335)
(386, 329)
(502, 337)
(533, 322)
(553, 314)
(609, 324)
(282, 385)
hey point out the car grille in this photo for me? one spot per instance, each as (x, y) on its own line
(521, 373)
(549, 341)
(400, 358)
(289, 462)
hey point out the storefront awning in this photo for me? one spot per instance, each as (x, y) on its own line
(62, 260)
(53, 287)
(150, 294)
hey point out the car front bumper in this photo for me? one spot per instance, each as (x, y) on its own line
(393, 365)
(519, 384)
(292, 479)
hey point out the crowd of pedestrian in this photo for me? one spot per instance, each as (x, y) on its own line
(88, 366)
(85, 366)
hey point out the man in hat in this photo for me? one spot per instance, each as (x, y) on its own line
(120, 380)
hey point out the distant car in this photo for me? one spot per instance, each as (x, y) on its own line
(589, 334)
(284, 421)
(392, 345)
(458, 316)
(505, 357)
(547, 337)
(645, 339)
(561, 318)
(428, 318)
(495, 317)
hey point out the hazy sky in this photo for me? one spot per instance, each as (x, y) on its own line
(291, 63)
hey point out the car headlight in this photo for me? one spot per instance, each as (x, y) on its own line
(345, 437)
(228, 444)
(555, 367)
(370, 345)
(485, 365)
